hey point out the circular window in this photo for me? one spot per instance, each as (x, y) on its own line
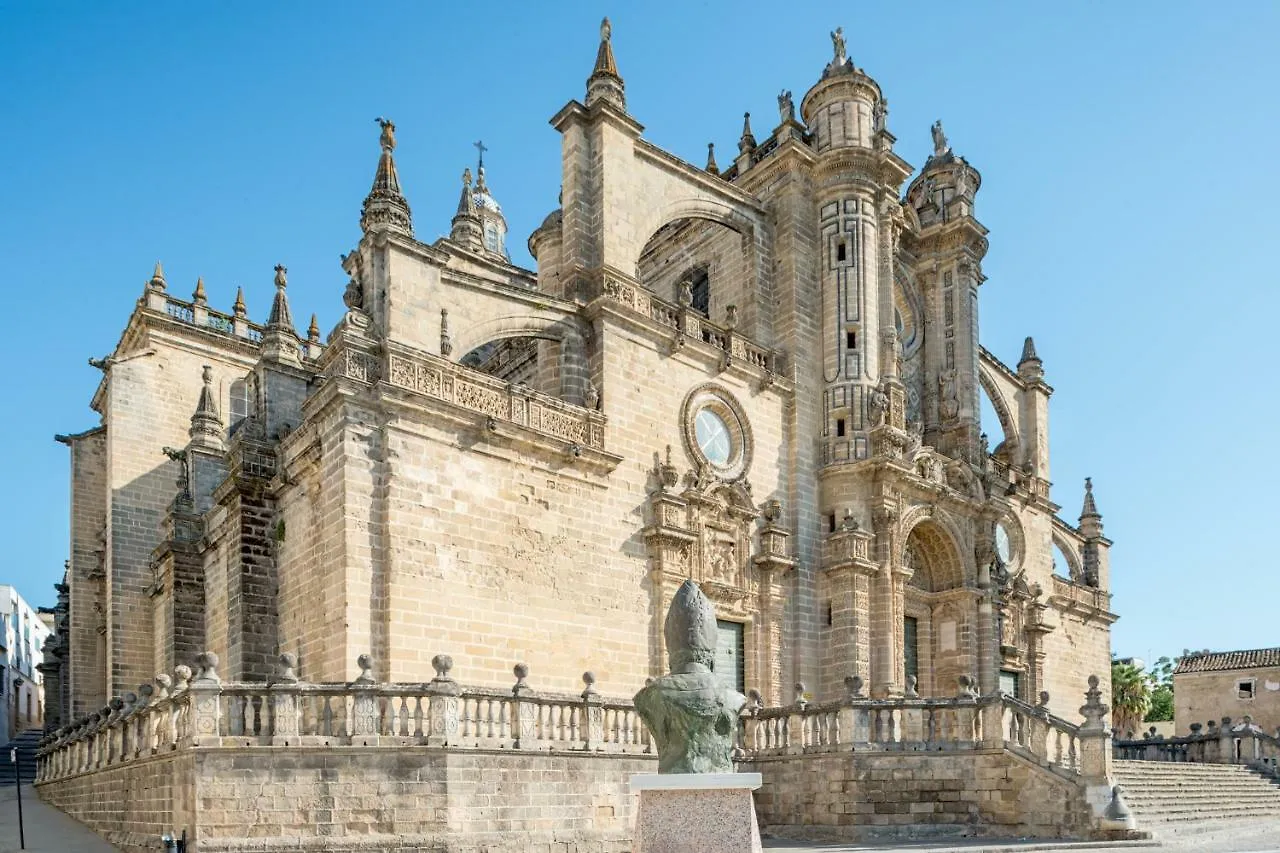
(1002, 544)
(713, 437)
(716, 432)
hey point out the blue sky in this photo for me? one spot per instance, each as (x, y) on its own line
(1128, 181)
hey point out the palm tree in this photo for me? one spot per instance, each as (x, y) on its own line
(1130, 698)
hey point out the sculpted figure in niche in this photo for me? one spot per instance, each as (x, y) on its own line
(690, 714)
(878, 406)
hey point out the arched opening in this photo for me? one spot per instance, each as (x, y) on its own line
(704, 265)
(1063, 566)
(936, 625)
(997, 422)
(534, 362)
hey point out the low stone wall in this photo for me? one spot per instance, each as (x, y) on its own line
(868, 796)
(131, 805)
(360, 798)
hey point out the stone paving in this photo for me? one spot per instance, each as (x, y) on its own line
(47, 829)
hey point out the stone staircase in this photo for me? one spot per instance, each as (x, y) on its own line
(1173, 799)
(26, 744)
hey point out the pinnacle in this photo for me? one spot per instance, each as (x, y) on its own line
(238, 309)
(748, 139)
(605, 84)
(313, 331)
(711, 159)
(199, 296)
(605, 63)
(157, 281)
(206, 423)
(1090, 509)
(280, 317)
(1028, 351)
(386, 204)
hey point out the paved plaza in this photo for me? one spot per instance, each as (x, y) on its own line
(47, 829)
(50, 830)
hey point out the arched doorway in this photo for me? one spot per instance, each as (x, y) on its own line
(938, 617)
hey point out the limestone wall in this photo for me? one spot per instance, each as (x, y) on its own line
(386, 798)
(152, 391)
(131, 806)
(989, 793)
(1199, 697)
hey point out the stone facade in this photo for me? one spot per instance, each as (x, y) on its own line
(1212, 685)
(766, 378)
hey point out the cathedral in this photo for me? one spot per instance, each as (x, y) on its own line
(764, 373)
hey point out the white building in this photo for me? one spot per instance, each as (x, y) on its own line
(21, 651)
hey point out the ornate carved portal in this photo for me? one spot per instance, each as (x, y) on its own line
(712, 532)
(1021, 623)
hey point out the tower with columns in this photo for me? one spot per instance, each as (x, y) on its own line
(766, 377)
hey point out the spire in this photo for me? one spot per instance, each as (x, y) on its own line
(157, 281)
(466, 229)
(238, 309)
(1030, 368)
(711, 159)
(313, 331)
(747, 142)
(605, 84)
(206, 423)
(1090, 509)
(280, 317)
(199, 296)
(385, 208)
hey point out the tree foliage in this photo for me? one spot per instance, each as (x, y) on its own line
(1161, 680)
(1130, 698)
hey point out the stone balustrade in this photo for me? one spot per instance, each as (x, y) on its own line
(203, 711)
(691, 325)
(209, 319)
(967, 722)
(1228, 743)
(206, 712)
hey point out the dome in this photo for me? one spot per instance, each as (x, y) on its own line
(485, 201)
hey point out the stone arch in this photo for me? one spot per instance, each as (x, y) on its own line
(1074, 568)
(1012, 443)
(566, 333)
(937, 555)
(752, 230)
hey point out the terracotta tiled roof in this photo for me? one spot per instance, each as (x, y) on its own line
(1216, 661)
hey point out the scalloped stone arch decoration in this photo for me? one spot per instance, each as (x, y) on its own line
(1008, 424)
(937, 551)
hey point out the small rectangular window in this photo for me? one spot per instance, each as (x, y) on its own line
(851, 340)
(831, 523)
(839, 426)
(830, 615)
(1244, 689)
(840, 251)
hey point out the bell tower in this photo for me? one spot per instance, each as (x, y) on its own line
(856, 179)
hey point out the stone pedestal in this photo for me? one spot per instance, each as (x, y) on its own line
(696, 813)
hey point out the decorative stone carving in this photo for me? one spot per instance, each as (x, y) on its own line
(691, 716)
(786, 107)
